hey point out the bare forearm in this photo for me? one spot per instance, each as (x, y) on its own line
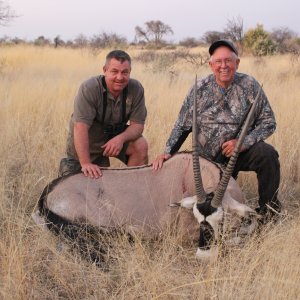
(132, 132)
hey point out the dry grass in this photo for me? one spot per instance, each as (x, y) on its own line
(37, 90)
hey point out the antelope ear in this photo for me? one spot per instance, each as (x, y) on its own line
(187, 202)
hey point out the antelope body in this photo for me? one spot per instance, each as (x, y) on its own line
(139, 198)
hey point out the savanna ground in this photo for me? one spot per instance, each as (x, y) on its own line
(37, 87)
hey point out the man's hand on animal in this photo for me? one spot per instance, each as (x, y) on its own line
(91, 170)
(229, 146)
(113, 147)
(159, 160)
(107, 121)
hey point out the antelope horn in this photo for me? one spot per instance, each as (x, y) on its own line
(200, 193)
(219, 193)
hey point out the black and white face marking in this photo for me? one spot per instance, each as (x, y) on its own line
(208, 218)
(215, 218)
(206, 236)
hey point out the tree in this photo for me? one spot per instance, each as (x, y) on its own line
(234, 30)
(58, 41)
(283, 37)
(41, 41)
(189, 42)
(104, 40)
(210, 36)
(81, 41)
(259, 42)
(5, 14)
(154, 32)
(17, 41)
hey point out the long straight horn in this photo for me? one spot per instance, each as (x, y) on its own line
(200, 193)
(219, 193)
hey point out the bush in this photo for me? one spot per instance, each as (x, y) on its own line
(189, 42)
(145, 57)
(259, 42)
(285, 38)
(108, 40)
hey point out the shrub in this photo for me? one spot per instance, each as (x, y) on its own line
(259, 42)
(189, 42)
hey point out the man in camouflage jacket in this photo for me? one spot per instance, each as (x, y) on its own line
(223, 99)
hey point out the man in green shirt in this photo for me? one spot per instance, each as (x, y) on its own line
(108, 120)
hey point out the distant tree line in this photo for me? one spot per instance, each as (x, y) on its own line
(256, 41)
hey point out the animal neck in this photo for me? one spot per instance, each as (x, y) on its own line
(180, 164)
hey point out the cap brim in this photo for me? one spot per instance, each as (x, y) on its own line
(220, 43)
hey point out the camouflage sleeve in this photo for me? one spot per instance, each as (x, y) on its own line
(264, 123)
(183, 125)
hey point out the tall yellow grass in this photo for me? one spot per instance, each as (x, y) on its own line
(37, 88)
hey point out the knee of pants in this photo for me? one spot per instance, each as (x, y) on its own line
(266, 154)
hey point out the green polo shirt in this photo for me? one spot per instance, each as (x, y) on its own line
(88, 108)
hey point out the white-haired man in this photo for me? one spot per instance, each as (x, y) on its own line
(223, 99)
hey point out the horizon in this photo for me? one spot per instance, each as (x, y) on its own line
(50, 18)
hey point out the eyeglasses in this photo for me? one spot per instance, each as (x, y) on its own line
(226, 61)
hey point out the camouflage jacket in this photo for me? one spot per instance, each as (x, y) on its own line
(219, 114)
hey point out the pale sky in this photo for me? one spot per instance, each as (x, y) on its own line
(187, 18)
